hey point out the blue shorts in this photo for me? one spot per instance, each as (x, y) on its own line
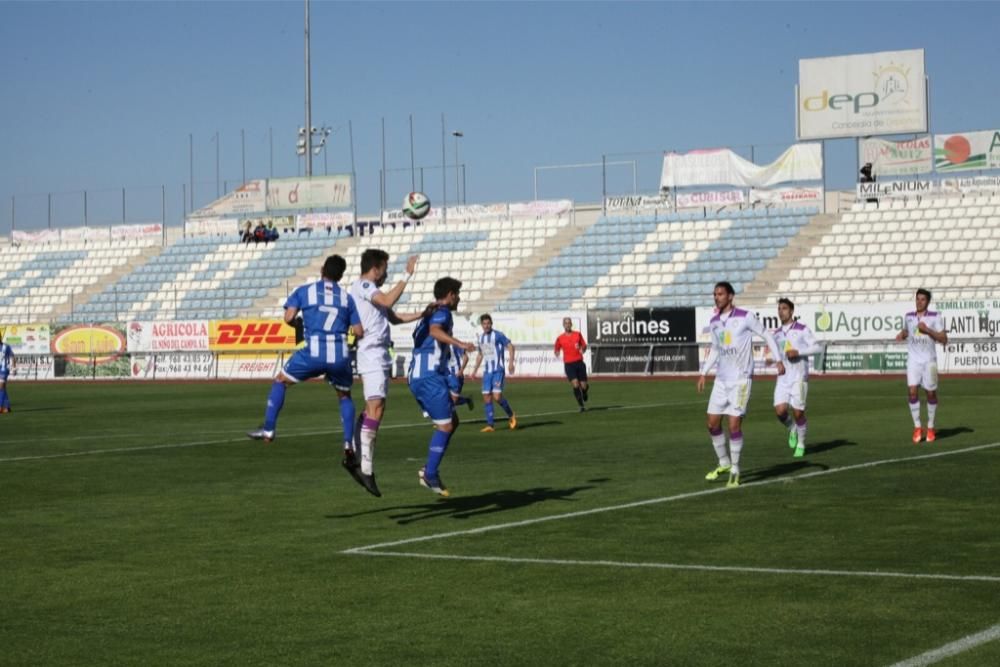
(432, 395)
(494, 381)
(303, 366)
(455, 384)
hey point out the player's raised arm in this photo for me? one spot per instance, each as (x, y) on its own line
(807, 348)
(438, 333)
(389, 299)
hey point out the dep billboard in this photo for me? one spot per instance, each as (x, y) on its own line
(862, 95)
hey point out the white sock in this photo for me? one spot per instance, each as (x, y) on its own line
(367, 450)
(802, 434)
(915, 411)
(931, 412)
(735, 448)
(719, 443)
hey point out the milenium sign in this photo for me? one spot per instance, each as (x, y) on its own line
(862, 95)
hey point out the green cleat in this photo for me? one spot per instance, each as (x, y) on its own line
(734, 480)
(799, 452)
(714, 475)
(793, 438)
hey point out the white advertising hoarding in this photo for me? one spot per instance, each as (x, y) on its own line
(967, 151)
(289, 194)
(721, 166)
(862, 95)
(897, 158)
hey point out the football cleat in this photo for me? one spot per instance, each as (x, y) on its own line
(433, 483)
(917, 434)
(487, 429)
(583, 409)
(799, 452)
(350, 464)
(368, 481)
(512, 423)
(714, 475)
(793, 438)
(261, 434)
(931, 435)
(734, 480)
(471, 405)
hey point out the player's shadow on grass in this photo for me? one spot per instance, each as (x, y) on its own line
(49, 408)
(952, 432)
(828, 445)
(600, 408)
(465, 507)
(780, 470)
(521, 426)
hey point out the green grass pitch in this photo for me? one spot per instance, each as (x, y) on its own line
(138, 526)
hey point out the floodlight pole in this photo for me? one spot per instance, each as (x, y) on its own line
(309, 162)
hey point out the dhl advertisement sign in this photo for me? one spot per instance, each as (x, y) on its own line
(249, 335)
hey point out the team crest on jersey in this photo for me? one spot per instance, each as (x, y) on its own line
(365, 285)
(725, 338)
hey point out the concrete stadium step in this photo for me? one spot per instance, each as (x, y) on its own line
(766, 281)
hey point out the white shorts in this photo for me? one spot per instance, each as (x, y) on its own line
(375, 383)
(729, 398)
(792, 391)
(922, 374)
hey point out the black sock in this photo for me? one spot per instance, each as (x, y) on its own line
(578, 394)
(584, 391)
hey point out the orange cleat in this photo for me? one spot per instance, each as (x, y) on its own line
(931, 436)
(917, 434)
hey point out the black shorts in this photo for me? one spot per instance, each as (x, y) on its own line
(576, 370)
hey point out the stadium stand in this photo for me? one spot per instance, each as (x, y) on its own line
(43, 280)
(671, 259)
(199, 277)
(950, 245)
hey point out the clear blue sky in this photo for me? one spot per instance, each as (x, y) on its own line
(97, 96)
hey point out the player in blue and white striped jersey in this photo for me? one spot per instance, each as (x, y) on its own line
(494, 346)
(328, 313)
(8, 365)
(428, 376)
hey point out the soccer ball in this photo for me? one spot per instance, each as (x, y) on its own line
(416, 205)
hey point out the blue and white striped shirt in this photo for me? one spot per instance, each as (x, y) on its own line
(6, 354)
(493, 347)
(327, 313)
(429, 355)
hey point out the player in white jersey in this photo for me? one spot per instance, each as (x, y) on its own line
(732, 332)
(8, 366)
(373, 359)
(796, 343)
(922, 329)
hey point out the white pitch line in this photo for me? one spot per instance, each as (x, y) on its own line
(366, 550)
(697, 568)
(293, 434)
(954, 648)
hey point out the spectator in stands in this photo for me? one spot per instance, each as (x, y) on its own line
(270, 234)
(868, 177)
(572, 345)
(8, 367)
(247, 234)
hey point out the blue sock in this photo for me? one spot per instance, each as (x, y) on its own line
(4, 401)
(439, 443)
(275, 400)
(347, 418)
(506, 407)
(489, 414)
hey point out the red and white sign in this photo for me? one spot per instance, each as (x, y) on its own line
(189, 335)
(710, 198)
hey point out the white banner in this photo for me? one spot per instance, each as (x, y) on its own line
(191, 335)
(150, 230)
(27, 338)
(711, 198)
(261, 365)
(40, 236)
(192, 366)
(212, 226)
(801, 162)
(967, 151)
(891, 189)
(804, 196)
(973, 184)
(638, 203)
(244, 200)
(324, 220)
(862, 95)
(541, 208)
(897, 158)
(98, 234)
(287, 194)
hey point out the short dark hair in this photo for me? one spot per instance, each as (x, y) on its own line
(373, 257)
(787, 302)
(484, 317)
(925, 292)
(726, 286)
(334, 267)
(445, 286)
